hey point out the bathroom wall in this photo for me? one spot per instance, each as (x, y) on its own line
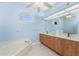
(13, 27)
(63, 24)
(71, 25)
(53, 28)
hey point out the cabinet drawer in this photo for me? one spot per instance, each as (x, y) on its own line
(68, 48)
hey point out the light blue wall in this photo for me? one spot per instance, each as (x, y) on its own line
(53, 28)
(71, 25)
(50, 27)
(12, 27)
(63, 24)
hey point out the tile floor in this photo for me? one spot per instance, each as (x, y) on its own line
(41, 50)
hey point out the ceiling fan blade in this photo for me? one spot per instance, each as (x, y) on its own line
(48, 5)
(38, 9)
(29, 5)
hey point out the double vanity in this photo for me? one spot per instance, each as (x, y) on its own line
(65, 46)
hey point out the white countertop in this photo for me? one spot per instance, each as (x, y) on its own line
(62, 36)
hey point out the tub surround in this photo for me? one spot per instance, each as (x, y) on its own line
(62, 45)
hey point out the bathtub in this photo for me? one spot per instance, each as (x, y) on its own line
(15, 47)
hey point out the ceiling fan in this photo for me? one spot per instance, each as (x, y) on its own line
(39, 5)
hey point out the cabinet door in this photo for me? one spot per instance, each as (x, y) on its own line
(77, 48)
(68, 48)
(52, 42)
(48, 40)
(45, 39)
(59, 45)
(42, 38)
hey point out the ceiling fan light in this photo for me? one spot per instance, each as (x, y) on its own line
(39, 4)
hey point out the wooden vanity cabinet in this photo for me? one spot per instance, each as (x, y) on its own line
(62, 46)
